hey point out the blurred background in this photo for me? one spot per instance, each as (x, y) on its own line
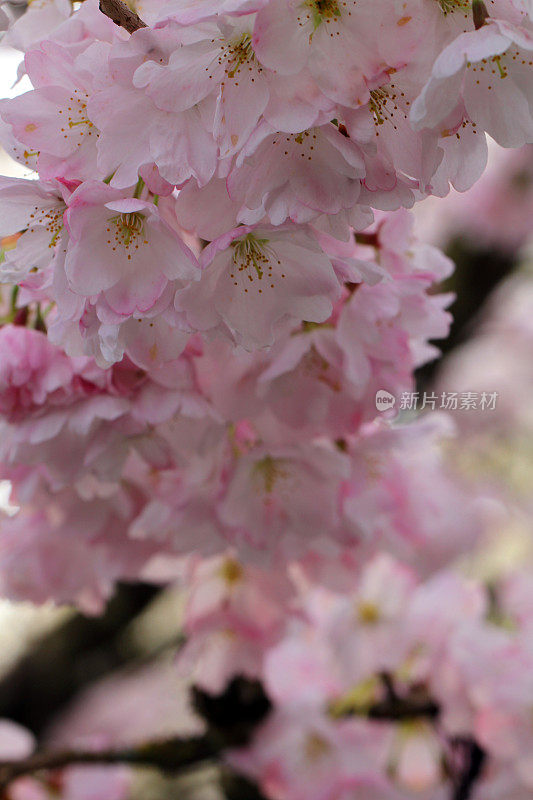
(59, 669)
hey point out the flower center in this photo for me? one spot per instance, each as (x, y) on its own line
(297, 145)
(51, 219)
(236, 54)
(316, 367)
(268, 471)
(253, 260)
(76, 117)
(368, 613)
(449, 6)
(489, 70)
(319, 11)
(386, 106)
(316, 747)
(231, 571)
(127, 231)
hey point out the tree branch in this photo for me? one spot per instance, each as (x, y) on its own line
(473, 762)
(395, 707)
(171, 755)
(121, 15)
(401, 708)
(392, 706)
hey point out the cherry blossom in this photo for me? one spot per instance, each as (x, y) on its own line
(36, 210)
(209, 278)
(51, 119)
(141, 253)
(474, 68)
(274, 179)
(257, 281)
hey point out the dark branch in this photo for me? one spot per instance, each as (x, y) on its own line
(171, 755)
(395, 707)
(474, 760)
(391, 708)
(480, 14)
(402, 708)
(121, 15)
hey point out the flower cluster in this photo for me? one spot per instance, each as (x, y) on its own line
(207, 280)
(281, 123)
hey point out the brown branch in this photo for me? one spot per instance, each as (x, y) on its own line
(479, 13)
(474, 758)
(393, 706)
(403, 709)
(121, 15)
(170, 755)
(390, 709)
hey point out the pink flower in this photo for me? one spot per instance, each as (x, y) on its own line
(56, 555)
(38, 22)
(234, 613)
(121, 250)
(31, 371)
(418, 758)
(283, 497)
(306, 756)
(15, 741)
(35, 208)
(189, 12)
(487, 70)
(180, 144)
(96, 783)
(339, 41)
(257, 282)
(225, 592)
(296, 176)
(215, 63)
(52, 118)
(389, 503)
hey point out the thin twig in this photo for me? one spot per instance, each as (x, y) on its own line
(403, 709)
(171, 755)
(122, 15)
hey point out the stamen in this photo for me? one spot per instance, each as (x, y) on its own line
(76, 115)
(254, 260)
(51, 219)
(449, 6)
(129, 231)
(268, 471)
(322, 10)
